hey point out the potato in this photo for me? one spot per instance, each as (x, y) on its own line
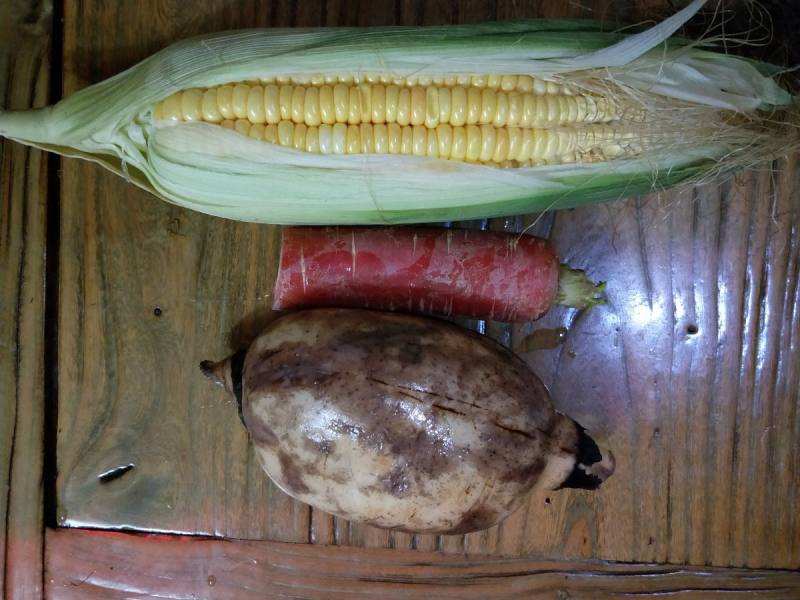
(402, 422)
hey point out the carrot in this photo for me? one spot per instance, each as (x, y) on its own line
(479, 274)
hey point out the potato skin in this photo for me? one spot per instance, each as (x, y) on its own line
(399, 421)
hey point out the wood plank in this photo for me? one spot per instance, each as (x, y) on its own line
(685, 374)
(148, 290)
(703, 421)
(25, 36)
(109, 565)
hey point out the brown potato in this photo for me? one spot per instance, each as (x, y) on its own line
(403, 422)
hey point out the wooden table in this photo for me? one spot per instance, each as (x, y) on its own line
(109, 298)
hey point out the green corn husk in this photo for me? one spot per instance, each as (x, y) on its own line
(707, 113)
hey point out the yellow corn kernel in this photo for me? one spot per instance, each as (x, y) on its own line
(325, 139)
(381, 139)
(444, 135)
(255, 105)
(367, 138)
(239, 100)
(473, 105)
(270, 133)
(392, 99)
(501, 110)
(341, 102)
(500, 153)
(515, 104)
(432, 149)
(407, 140)
(298, 104)
(378, 105)
(394, 135)
(300, 133)
(404, 107)
(444, 104)
(479, 81)
(419, 141)
(285, 101)
(171, 110)
(508, 83)
(488, 104)
(339, 138)
(488, 142)
(256, 131)
(210, 108)
(365, 97)
(474, 143)
(286, 133)
(272, 104)
(458, 150)
(526, 147)
(525, 84)
(431, 107)
(191, 102)
(353, 139)
(312, 140)
(327, 110)
(354, 106)
(311, 107)
(242, 126)
(514, 142)
(541, 139)
(458, 106)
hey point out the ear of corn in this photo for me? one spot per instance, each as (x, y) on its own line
(413, 124)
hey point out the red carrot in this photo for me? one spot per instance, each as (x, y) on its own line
(481, 274)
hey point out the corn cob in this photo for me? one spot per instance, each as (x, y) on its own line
(391, 125)
(477, 123)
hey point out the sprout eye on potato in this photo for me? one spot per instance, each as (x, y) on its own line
(403, 422)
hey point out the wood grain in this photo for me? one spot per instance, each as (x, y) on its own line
(690, 373)
(108, 565)
(148, 291)
(24, 82)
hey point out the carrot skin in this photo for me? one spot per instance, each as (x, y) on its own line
(479, 274)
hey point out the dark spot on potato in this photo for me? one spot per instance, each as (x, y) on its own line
(269, 353)
(524, 474)
(260, 431)
(291, 375)
(324, 447)
(397, 483)
(292, 474)
(409, 353)
(447, 409)
(344, 428)
(514, 431)
(475, 519)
